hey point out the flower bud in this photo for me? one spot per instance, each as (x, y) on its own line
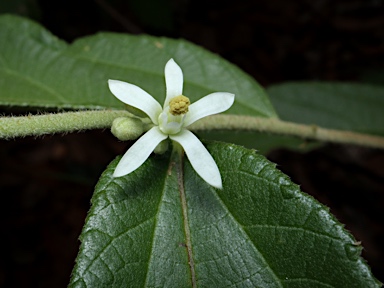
(125, 128)
(161, 147)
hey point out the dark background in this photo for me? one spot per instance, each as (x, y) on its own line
(46, 183)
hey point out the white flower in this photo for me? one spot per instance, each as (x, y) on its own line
(171, 121)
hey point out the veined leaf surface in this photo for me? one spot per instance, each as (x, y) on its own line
(163, 226)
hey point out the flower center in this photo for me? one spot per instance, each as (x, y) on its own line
(179, 105)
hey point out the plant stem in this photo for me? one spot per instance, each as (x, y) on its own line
(36, 125)
(274, 125)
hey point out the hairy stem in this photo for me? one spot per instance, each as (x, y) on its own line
(35, 125)
(274, 125)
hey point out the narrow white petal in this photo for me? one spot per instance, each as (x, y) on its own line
(173, 81)
(211, 104)
(139, 152)
(136, 97)
(199, 157)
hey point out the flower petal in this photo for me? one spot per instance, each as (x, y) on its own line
(211, 104)
(173, 81)
(136, 97)
(199, 157)
(139, 152)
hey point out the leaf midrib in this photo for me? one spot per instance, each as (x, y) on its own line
(184, 207)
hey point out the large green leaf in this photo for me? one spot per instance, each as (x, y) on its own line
(37, 69)
(262, 142)
(344, 106)
(154, 228)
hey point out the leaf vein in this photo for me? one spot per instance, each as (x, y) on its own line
(246, 236)
(309, 280)
(186, 81)
(154, 232)
(35, 83)
(294, 228)
(111, 241)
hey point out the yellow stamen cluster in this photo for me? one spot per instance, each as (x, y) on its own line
(179, 105)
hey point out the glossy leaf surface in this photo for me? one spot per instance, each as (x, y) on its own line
(163, 226)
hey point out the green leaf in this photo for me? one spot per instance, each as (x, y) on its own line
(153, 228)
(262, 142)
(37, 69)
(344, 106)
